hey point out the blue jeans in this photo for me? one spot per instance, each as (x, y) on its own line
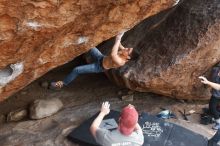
(95, 67)
(216, 137)
(213, 104)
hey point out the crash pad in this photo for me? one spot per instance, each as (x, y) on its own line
(157, 132)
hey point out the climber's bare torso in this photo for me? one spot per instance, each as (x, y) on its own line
(109, 63)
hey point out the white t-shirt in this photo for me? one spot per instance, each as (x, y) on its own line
(115, 138)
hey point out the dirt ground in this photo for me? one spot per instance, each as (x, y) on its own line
(97, 88)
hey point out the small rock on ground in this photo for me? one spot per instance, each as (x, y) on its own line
(17, 115)
(127, 97)
(2, 119)
(44, 108)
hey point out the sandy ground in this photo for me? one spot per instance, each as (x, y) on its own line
(97, 88)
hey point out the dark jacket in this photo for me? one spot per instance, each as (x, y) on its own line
(216, 79)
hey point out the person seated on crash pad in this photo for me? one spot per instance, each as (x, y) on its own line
(118, 57)
(215, 98)
(128, 133)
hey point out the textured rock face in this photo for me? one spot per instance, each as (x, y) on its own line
(173, 52)
(41, 35)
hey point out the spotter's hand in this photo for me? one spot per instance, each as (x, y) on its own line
(105, 109)
(203, 80)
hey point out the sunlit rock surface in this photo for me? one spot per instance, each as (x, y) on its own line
(175, 48)
(41, 35)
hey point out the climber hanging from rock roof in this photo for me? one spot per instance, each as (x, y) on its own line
(118, 57)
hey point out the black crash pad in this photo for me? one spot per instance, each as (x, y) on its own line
(157, 132)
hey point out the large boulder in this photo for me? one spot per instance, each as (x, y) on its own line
(37, 36)
(175, 47)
